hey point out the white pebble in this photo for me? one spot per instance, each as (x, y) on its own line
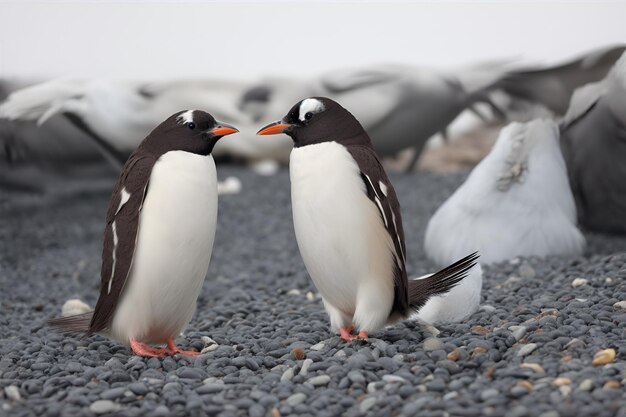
(319, 380)
(565, 390)
(586, 385)
(305, 367)
(340, 354)
(527, 349)
(230, 185)
(287, 375)
(208, 349)
(367, 403)
(620, 304)
(518, 331)
(104, 406)
(318, 346)
(294, 291)
(578, 282)
(310, 296)
(450, 395)
(13, 393)
(73, 307)
(265, 167)
(297, 398)
(432, 343)
(393, 378)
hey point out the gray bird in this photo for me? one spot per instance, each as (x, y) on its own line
(593, 142)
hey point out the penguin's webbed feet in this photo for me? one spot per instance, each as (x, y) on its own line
(172, 349)
(141, 349)
(346, 334)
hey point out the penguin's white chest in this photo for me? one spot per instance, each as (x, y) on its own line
(340, 234)
(174, 245)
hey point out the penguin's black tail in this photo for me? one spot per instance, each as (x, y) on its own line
(77, 324)
(439, 283)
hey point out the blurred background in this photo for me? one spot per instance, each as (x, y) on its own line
(82, 83)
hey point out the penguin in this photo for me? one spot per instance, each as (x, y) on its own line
(158, 239)
(347, 222)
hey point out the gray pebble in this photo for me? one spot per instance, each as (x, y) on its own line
(489, 393)
(297, 398)
(319, 380)
(526, 349)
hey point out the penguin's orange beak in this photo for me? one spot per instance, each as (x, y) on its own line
(274, 128)
(223, 129)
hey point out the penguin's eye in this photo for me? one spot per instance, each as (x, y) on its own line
(308, 115)
(191, 125)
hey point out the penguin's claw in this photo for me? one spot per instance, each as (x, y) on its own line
(172, 349)
(141, 349)
(346, 334)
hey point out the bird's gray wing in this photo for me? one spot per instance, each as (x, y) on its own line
(120, 237)
(382, 194)
(554, 86)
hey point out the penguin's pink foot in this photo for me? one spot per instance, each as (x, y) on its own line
(362, 335)
(346, 334)
(172, 349)
(141, 349)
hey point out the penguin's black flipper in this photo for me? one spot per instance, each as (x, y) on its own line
(439, 283)
(78, 323)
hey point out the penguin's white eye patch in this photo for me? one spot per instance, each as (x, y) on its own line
(309, 107)
(186, 118)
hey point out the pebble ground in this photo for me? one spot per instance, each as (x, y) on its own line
(527, 352)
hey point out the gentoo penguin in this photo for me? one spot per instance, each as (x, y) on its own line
(348, 224)
(516, 202)
(158, 239)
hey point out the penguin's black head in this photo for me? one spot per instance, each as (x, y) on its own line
(192, 131)
(317, 120)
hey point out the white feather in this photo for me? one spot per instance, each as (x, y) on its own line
(341, 236)
(174, 245)
(516, 202)
(458, 304)
(312, 105)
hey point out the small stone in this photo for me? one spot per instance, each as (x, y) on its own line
(534, 366)
(393, 379)
(487, 308)
(552, 413)
(603, 357)
(208, 349)
(558, 382)
(310, 296)
(231, 185)
(577, 282)
(478, 350)
(295, 399)
(356, 377)
(319, 380)
(526, 271)
(454, 355)
(527, 385)
(432, 343)
(489, 393)
(287, 375)
(518, 391)
(565, 390)
(341, 354)
(480, 330)
(318, 346)
(104, 406)
(608, 280)
(256, 410)
(73, 307)
(527, 349)
(586, 385)
(209, 388)
(12, 392)
(450, 396)
(298, 353)
(518, 332)
(367, 403)
(294, 291)
(620, 304)
(612, 385)
(304, 370)
(208, 341)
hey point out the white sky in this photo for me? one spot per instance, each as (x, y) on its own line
(237, 39)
